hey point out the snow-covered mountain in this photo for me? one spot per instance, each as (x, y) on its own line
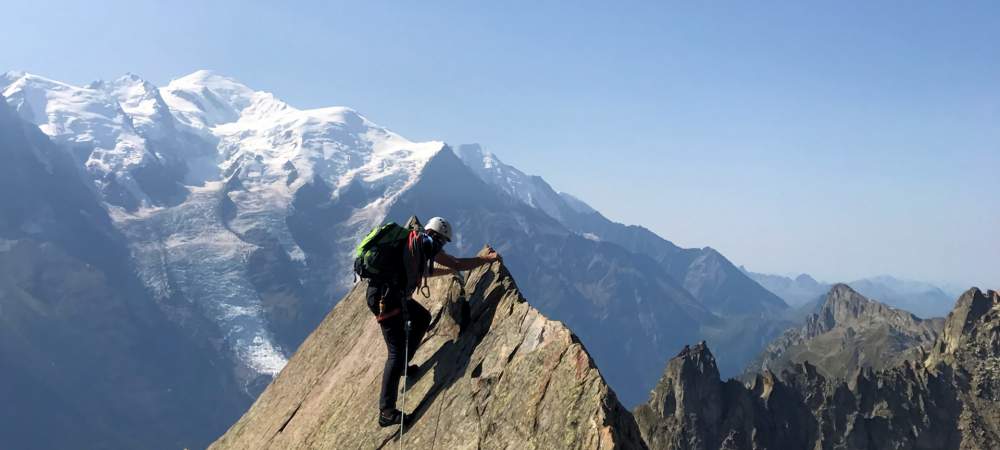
(240, 212)
(705, 273)
(746, 313)
(202, 175)
(532, 190)
(122, 132)
(88, 359)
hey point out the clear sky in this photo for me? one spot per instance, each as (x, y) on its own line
(843, 140)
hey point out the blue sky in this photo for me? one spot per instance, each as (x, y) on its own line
(840, 140)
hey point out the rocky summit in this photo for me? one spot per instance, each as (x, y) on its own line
(508, 378)
(949, 399)
(849, 332)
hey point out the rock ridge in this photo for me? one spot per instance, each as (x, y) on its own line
(949, 400)
(850, 332)
(510, 378)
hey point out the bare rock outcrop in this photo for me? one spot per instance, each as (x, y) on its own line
(949, 400)
(848, 333)
(510, 378)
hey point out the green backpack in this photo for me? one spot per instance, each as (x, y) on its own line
(379, 256)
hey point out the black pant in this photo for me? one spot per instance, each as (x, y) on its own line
(393, 331)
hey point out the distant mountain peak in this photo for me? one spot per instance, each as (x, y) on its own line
(130, 78)
(920, 298)
(33, 77)
(846, 307)
(204, 99)
(849, 332)
(710, 250)
(806, 278)
(531, 190)
(946, 402)
(209, 78)
(844, 292)
(9, 76)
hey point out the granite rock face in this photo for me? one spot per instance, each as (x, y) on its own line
(949, 400)
(510, 378)
(847, 333)
(969, 349)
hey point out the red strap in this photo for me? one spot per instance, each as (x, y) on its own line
(386, 315)
(414, 249)
(409, 242)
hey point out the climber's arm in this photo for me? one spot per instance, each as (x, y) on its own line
(459, 264)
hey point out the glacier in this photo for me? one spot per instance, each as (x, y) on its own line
(202, 173)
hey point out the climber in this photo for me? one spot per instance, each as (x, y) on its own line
(390, 294)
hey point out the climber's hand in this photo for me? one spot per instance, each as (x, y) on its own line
(491, 255)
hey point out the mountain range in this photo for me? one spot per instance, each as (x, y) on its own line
(232, 216)
(736, 313)
(941, 398)
(848, 333)
(511, 377)
(923, 299)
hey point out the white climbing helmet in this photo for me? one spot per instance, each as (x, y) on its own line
(439, 226)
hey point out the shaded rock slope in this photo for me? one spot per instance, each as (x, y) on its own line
(948, 399)
(849, 332)
(510, 378)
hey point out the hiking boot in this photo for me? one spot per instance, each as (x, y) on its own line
(391, 417)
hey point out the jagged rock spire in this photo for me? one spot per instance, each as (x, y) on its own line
(950, 403)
